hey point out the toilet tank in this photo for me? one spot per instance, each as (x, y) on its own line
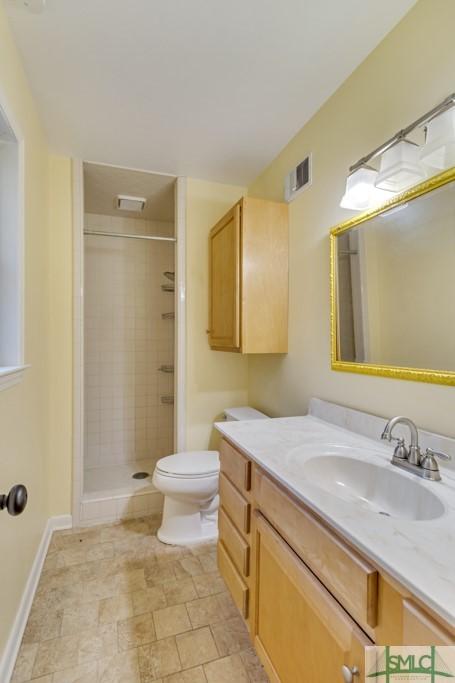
(243, 413)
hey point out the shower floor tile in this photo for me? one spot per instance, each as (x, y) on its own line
(118, 478)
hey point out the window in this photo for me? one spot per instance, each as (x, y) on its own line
(11, 232)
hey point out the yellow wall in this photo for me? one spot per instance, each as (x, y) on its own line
(24, 414)
(214, 380)
(408, 73)
(59, 463)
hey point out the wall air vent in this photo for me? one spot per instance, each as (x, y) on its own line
(298, 179)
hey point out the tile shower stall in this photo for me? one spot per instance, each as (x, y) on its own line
(128, 363)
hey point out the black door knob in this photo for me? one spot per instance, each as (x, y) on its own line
(14, 501)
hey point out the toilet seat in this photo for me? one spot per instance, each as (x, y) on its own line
(185, 476)
(189, 465)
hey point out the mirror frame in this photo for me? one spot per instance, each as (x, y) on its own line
(414, 374)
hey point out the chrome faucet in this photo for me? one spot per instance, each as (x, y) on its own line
(412, 459)
(413, 454)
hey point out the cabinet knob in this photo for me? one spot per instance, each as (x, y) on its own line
(14, 501)
(349, 673)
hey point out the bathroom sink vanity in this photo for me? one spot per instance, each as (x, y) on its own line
(319, 575)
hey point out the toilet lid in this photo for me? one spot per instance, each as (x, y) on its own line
(190, 463)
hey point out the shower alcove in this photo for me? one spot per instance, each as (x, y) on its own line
(128, 361)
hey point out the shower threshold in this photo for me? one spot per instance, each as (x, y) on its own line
(118, 478)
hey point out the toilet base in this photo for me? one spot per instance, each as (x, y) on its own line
(186, 524)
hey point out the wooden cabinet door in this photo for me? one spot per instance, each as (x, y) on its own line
(224, 274)
(300, 631)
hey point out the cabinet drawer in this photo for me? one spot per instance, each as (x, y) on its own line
(352, 580)
(235, 505)
(235, 466)
(419, 628)
(234, 582)
(237, 547)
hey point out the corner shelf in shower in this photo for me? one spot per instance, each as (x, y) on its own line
(167, 400)
(167, 288)
(168, 316)
(166, 368)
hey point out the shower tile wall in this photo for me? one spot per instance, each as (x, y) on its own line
(126, 341)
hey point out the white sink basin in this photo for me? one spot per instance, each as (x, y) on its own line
(378, 489)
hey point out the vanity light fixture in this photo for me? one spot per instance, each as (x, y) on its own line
(439, 148)
(400, 167)
(401, 162)
(361, 193)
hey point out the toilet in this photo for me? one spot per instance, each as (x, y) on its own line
(189, 483)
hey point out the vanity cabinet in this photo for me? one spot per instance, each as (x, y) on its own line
(301, 631)
(420, 629)
(248, 278)
(234, 525)
(311, 601)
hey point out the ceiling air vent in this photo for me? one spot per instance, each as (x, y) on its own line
(298, 179)
(127, 203)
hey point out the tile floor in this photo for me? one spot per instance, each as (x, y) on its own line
(114, 605)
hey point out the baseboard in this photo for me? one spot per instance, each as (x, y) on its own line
(8, 658)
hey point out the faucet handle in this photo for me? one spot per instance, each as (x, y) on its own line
(438, 454)
(430, 465)
(400, 452)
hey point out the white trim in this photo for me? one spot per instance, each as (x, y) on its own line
(78, 338)
(16, 129)
(180, 318)
(21, 250)
(11, 375)
(130, 168)
(108, 507)
(13, 643)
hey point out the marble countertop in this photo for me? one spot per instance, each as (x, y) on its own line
(418, 554)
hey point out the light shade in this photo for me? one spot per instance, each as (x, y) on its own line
(361, 193)
(439, 148)
(400, 167)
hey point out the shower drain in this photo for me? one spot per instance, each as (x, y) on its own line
(141, 475)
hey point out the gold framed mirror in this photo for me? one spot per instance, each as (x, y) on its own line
(392, 285)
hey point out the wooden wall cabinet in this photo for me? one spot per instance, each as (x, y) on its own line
(248, 278)
(312, 602)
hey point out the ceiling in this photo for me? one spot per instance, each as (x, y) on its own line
(206, 88)
(102, 184)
